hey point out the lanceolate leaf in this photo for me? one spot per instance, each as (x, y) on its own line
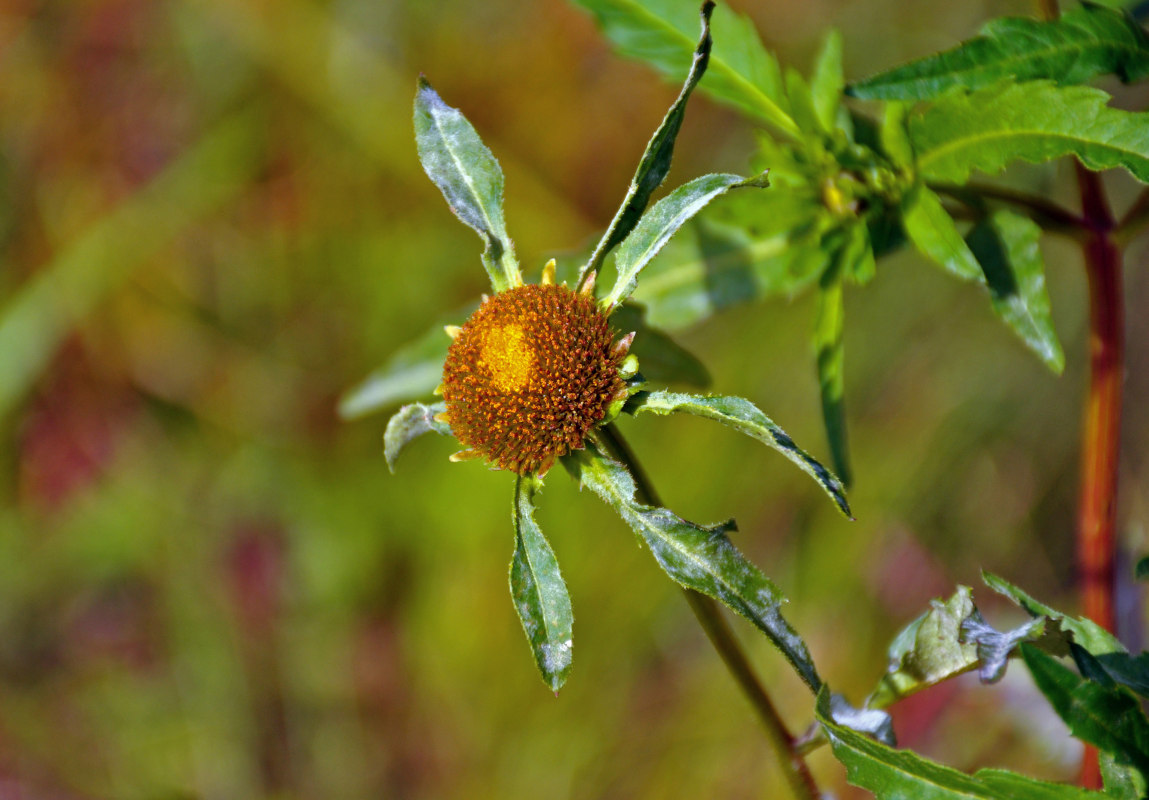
(469, 177)
(1107, 717)
(743, 72)
(935, 235)
(540, 595)
(827, 81)
(697, 557)
(409, 423)
(744, 416)
(1085, 42)
(1035, 121)
(1086, 633)
(656, 227)
(829, 354)
(901, 774)
(1006, 246)
(655, 161)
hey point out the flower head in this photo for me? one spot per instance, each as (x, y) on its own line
(529, 374)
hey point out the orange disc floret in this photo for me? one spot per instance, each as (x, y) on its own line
(529, 374)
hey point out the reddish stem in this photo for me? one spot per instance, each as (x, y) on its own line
(1096, 542)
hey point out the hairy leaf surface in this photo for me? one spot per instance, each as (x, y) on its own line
(469, 177)
(698, 557)
(409, 423)
(540, 594)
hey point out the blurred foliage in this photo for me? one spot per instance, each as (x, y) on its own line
(212, 220)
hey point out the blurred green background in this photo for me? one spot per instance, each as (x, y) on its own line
(213, 221)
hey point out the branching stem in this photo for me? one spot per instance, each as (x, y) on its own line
(718, 630)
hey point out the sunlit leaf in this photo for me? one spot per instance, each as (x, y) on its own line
(409, 423)
(901, 774)
(655, 162)
(469, 177)
(935, 235)
(696, 557)
(1108, 717)
(827, 81)
(743, 416)
(895, 134)
(540, 594)
(1083, 43)
(662, 221)
(1006, 246)
(1086, 633)
(1035, 121)
(743, 72)
(1121, 781)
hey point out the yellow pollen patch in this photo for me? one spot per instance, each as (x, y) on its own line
(508, 356)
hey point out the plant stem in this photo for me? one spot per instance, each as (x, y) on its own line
(1096, 542)
(709, 616)
(1051, 216)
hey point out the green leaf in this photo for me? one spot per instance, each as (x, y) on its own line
(469, 177)
(1006, 246)
(1083, 43)
(743, 416)
(696, 557)
(409, 423)
(663, 221)
(743, 72)
(655, 162)
(413, 371)
(895, 134)
(1108, 717)
(659, 357)
(935, 235)
(802, 104)
(901, 774)
(829, 353)
(1086, 633)
(752, 245)
(827, 81)
(1122, 781)
(1141, 571)
(1036, 121)
(1127, 670)
(537, 586)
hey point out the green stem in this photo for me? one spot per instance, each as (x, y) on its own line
(718, 630)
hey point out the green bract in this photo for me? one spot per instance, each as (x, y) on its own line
(698, 557)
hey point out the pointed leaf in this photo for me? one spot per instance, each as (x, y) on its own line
(1086, 633)
(655, 161)
(751, 246)
(743, 73)
(1108, 717)
(1006, 246)
(896, 135)
(409, 423)
(1083, 43)
(829, 353)
(663, 221)
(1036, 121)
(900, 774)
(827, 81)
(471, 180)
(540, 595)
(697, 557)
(935, 235)
(744, 416)
(412, 372)
(659, 357)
